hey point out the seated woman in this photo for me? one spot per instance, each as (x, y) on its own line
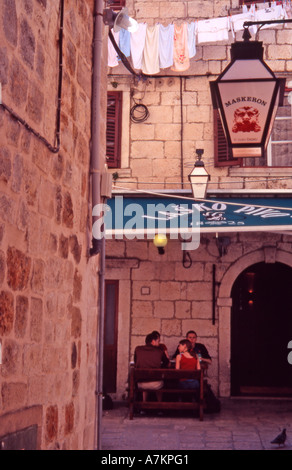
(186, 361)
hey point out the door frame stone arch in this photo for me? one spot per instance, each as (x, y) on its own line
(224, 304)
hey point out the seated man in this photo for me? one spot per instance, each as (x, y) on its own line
(161, 345)
(197, 348)
(150, 356)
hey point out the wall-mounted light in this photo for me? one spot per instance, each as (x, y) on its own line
(199, 177)
(247, 95)
(120, 20)
(160, 241)
(250, 279)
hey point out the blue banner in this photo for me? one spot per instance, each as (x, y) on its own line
(150, 214)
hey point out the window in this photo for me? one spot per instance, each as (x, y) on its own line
(222, 153)
(250, 2)
(279, 150)
(114, 129)
(110, 336)
(117, 4)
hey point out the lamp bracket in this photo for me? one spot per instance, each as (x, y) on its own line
(187, 260)
(109, 17)
(222, 245)
(246, 34)
(199, 152)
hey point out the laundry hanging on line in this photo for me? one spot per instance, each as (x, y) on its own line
(152, 48)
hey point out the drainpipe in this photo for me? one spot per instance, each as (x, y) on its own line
(181, 135)
(98, 246)
(100, 346)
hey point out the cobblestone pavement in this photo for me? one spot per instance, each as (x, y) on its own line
(242, 424)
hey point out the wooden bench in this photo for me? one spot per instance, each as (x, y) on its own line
(164, 399)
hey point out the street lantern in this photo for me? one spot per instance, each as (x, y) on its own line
(160, 241)
(199, 177)
(247, 95)
(120, 20)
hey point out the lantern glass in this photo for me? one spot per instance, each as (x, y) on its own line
(160, 240)
(199, 180)
(249, 69)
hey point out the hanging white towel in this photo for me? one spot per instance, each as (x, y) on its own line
(113, 58)
(150, 61)
(213, 30)
(236, 22)
(288, 12)
(276, 12)
(192, 29)
(166, 34)
(137, 42)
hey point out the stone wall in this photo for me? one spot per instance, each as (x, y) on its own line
(48, 287)
(166, 296)
(160, 152)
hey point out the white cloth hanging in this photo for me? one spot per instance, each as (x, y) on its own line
(150, 61)
(276, 12)
(213, 30)
(236, 22)
(166, 34)
(112, 57)
(288, 12)
(156, 47)
(192, 30)
(137, 42)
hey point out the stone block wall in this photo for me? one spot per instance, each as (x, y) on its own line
(159, 153)
(166, 296)
(48, 287)
(161, 150)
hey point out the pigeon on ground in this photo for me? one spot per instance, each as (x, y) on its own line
(280, 439)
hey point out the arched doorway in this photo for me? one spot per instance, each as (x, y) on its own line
(261, 328)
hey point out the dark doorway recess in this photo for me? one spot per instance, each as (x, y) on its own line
(110, 336)
(261, 328)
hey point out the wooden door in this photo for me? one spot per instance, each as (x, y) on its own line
(261, 328)
(110, 337)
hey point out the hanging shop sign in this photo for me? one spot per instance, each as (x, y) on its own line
(247, 95)
(146, 216)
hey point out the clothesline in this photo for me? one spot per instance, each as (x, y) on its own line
(152, 48)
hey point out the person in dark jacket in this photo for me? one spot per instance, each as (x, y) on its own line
(198, 349)
(161, 345)
(150, 356)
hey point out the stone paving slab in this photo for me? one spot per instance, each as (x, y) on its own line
(241, 425)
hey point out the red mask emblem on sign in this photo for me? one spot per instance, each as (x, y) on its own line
(246, 120)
